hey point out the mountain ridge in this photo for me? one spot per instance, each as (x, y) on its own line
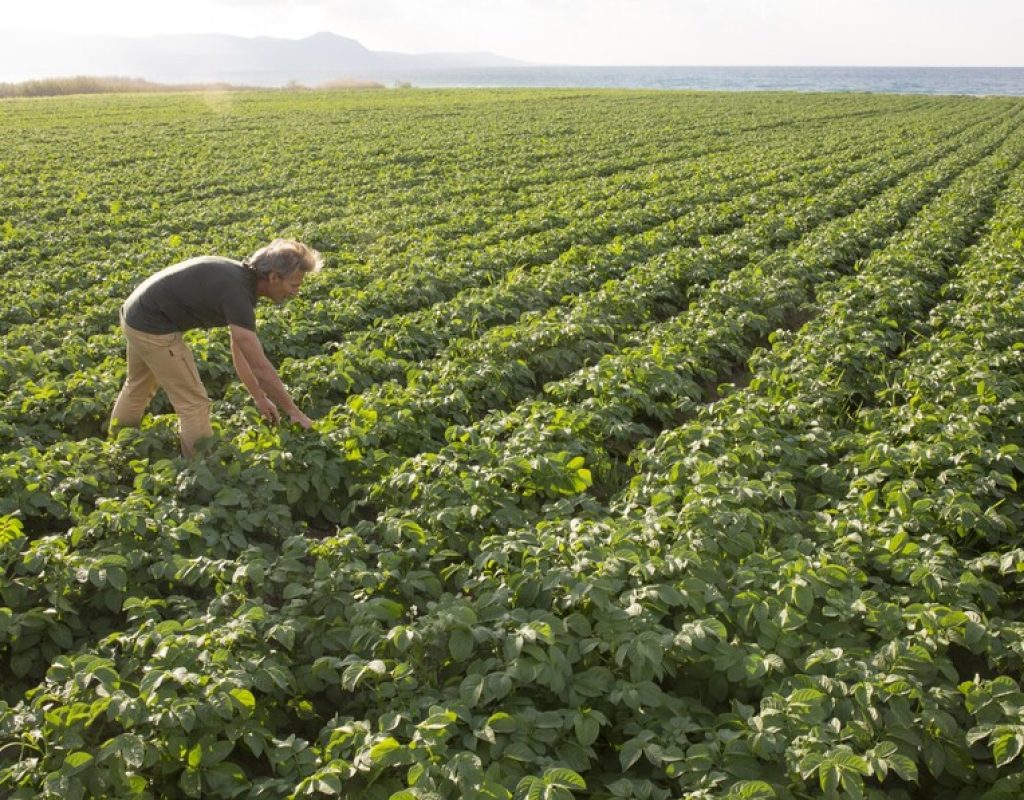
(262, 60)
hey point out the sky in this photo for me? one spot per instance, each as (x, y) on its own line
(587, 32)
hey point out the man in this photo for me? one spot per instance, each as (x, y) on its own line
(208, 292)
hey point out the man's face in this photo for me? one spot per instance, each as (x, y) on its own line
(282, 288)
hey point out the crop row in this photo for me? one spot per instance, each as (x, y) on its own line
(271, 190)
(658, 284)
(476, 251)
(581, 431)
(581, 639)
(400, 414)
(807, 583)
(45, 176)
(714, 591)
(760, 501)
(381, 352)
(506, 365)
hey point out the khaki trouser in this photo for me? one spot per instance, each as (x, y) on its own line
(163, 360)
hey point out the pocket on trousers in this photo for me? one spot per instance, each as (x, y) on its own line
(182, 353)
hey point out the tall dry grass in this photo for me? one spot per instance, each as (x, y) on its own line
(87, 84)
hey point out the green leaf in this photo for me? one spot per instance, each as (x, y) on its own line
(471, 689)
(975, 636)
(380, 751)
(21, 664)
(244, 698)
(587, 729)
(751, 790)
(217, 752)
(823, 656)
(853, 786)
(226, 780)
(461, 644)
(285, 635)
(385, 609)
(828, 777)
(530, 788)
(520, 751)
(117, 578)
(804, 697)
(630, 753)
(934, 756)
(592, 682)
(438, 722)
(1006, 746)
(190, 783)
(132, 749)
(76, 762)
(849, 762)
(808, 764)
(329, 784)
(61, 635)
(501, 722)
(564, 778)
(903, 766)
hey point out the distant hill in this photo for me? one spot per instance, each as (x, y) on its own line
(194, 58)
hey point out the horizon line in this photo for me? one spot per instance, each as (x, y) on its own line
(525, 63)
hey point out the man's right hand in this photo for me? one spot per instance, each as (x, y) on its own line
(301, 419)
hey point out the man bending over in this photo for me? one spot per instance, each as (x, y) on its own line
(207, 292)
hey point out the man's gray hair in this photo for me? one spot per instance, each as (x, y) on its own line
(284, 256)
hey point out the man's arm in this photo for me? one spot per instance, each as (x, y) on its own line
(263, 403)
(259, 376)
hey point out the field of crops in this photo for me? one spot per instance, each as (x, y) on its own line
(667, 446)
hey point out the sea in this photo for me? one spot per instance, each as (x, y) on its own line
(895, 80)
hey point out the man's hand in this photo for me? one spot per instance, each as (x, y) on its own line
(261, 379)
(268, 410)
(301, 419)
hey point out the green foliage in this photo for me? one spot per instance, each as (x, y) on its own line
(668, 445)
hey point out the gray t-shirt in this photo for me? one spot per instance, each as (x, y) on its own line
(204, 292)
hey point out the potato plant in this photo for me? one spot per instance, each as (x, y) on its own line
(667, 445)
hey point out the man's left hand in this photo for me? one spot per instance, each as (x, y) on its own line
(268, 410)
